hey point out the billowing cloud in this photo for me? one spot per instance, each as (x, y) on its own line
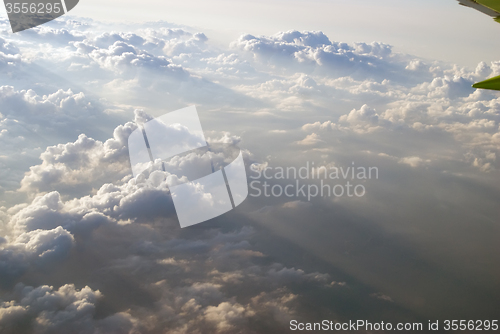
(67, 309)
(81, 164)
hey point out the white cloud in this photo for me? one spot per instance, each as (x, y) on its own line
(64, 310)
(311, 139)
(34, 248)
(226, 316)
(85, 164)
(413, 161)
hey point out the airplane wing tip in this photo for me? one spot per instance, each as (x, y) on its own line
(491, 83)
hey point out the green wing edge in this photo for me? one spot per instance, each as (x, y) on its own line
(491, 4)
(491, 8)
(491, 83)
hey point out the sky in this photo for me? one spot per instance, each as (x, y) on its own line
(87, 248)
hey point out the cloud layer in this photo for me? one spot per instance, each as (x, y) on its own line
(86, 248)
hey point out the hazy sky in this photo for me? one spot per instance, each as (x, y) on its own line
(441, 30)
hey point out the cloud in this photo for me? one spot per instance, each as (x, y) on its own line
(121, 56)
(311, 139)
(84, 165)
(66, 309)
(31, 121)
(226, 316)
(312, 52)
(9, 57)
(34, 248)
(364, 119)
(46, 244)
(413, 161)
(54, 36)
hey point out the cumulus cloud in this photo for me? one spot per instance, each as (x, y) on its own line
(313, 52)
(34, 248)
(364, 119)
(84, 165)
(67, 309)
(188, 305)
(30, 122)
(311, 139)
